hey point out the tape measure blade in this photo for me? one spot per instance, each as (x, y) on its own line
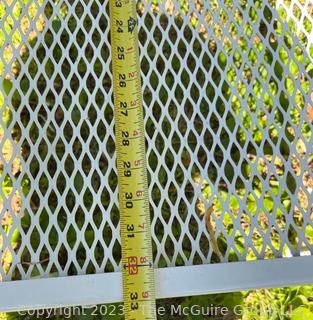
(137, 260)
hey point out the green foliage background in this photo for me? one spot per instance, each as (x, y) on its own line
(281, 298)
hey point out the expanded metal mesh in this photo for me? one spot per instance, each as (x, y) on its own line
(228, 116)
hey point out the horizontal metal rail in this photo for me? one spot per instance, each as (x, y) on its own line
(170, 282)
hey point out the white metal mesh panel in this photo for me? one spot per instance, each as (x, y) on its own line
(228, 115)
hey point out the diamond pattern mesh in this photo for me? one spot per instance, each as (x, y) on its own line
(227, 90)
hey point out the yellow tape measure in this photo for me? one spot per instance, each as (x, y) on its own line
(137, 260)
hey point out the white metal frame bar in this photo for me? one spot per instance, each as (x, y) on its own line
(201, 279)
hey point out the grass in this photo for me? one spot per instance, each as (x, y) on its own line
(255, 106)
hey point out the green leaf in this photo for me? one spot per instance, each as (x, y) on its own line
(233, 202)
(15, 237)
(309, 231)
(301, 313)
(298, 301)
(78, 182)
(1, 99)
(7, 86)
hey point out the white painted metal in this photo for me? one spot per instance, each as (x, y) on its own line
(90, 290)
(227, 91)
